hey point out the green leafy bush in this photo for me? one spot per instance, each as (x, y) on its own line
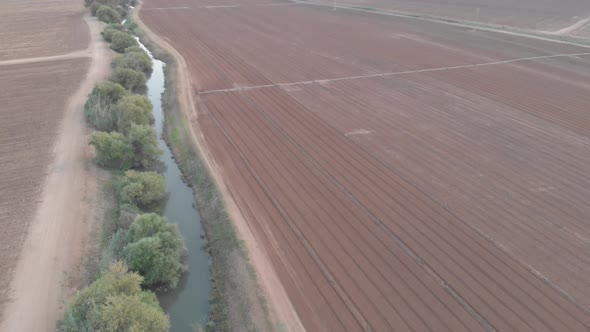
(132, 80)
(112, 150)
(115, 302)
(121, 41)
(154, 250)
(134, 58)
(107, 14)
(141, 188)
(143, 140)
(134, 49)
(133, 109)
(99, 108)
(108, 31)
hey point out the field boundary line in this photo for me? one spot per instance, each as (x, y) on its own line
(539, 35)
(225, 6)
(72, 55)
(405, 72)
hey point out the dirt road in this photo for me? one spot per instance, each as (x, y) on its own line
(55, 245)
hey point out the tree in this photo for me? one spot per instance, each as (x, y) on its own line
(132, 80)
(136, 59)
(110, 29)
(137, 312)
(155, 250)
(112, 150)
(107, 14)
(114, 302)
(142, 188)
(133, 109)
(142, 139)
(122, 40)
(99, 108)
(94, 8)
(134, 49)
(112, 91)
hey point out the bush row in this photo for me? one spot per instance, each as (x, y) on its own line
(146, 250)
(109, 11)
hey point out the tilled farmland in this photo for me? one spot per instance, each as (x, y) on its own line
(42, 62)
(41, 28)
(546, 15)
(400, 174)
(32, 98)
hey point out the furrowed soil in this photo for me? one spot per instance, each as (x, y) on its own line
(559, 16)
(399, 174)
(41, 28)
(48, 183)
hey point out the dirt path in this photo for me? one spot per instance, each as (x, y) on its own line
(55, 245)
(72, 55)
(574, 27)
(282, 310)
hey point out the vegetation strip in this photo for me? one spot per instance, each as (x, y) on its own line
(145, 250)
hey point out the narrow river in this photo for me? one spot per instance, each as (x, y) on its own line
(189, 302)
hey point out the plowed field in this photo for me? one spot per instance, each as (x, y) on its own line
(41, 28)
(544, 15)
(401, 174)
(42, 62)
(32, 98)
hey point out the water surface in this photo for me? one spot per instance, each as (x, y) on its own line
(189, 302)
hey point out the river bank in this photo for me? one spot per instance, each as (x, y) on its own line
(188, 303)
(238, 300)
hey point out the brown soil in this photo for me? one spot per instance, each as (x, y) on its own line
(41, 28)
(281, 310)
(47, 129)
(399, 174)
(544, 15)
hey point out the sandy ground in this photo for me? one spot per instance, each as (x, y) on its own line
(281, 309)
(47, 270)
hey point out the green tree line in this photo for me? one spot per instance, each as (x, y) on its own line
(146, 251)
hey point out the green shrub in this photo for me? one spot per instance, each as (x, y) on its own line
(134, 58)
(112, 150)
(132, 80)
(121, 10)
(114, 302)
(154, 250)
(112, 91)
(99, 108)
(135, 49)
(133, 109)
(122, 40)
(141, 188)
(144, 143)
(94, 8)
(107, 14)
(108, 31)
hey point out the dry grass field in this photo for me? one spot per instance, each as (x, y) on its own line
(400, 174)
